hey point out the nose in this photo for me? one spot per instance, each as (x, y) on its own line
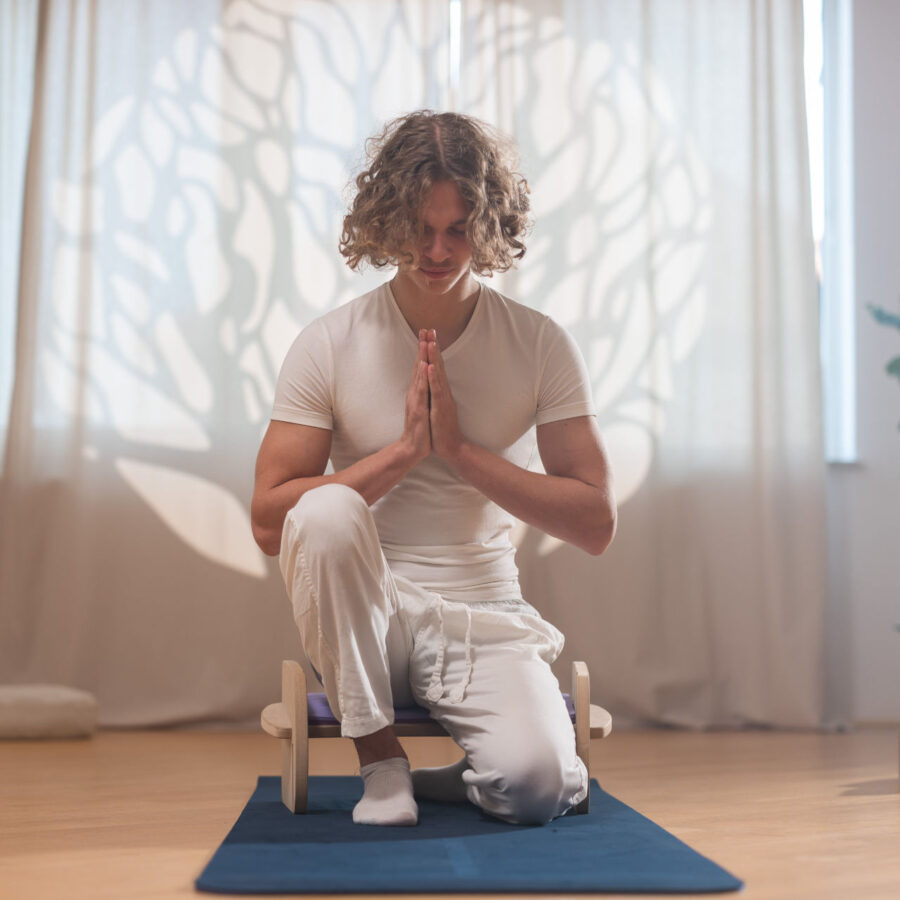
(435, 248)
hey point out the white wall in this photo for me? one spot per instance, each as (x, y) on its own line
(866, 498)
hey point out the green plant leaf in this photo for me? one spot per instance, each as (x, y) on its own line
(884, 317)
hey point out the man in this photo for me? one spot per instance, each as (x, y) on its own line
(424, 393)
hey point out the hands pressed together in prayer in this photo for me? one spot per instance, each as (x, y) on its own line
(431, 424)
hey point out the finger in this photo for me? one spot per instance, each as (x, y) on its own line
(426, 386)
(435, 357)
(434, 380)
(421, 357)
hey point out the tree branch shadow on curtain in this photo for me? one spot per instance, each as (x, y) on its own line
(184, 203)
(667, 151)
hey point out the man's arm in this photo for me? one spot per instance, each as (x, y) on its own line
(573, 501)
(292, 460)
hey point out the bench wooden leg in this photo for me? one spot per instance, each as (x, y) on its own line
(295, 749)
(581, 699)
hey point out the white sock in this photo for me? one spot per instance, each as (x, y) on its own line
(387, 794)
(443, 783)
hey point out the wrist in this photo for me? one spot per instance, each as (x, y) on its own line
(458, 455)
(408, 453)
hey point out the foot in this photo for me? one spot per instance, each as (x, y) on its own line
(387, 794)
(444, 783)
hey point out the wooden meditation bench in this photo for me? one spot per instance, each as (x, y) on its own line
(301, 716)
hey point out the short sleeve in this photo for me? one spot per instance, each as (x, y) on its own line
(564, 387)
(304, 392)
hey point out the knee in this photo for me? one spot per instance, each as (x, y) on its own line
(536, 792)
(329, 514)
(531, 787)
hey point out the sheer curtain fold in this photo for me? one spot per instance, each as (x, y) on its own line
(186, 182)
(18, 39)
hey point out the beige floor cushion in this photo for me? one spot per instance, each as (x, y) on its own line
(46, 711)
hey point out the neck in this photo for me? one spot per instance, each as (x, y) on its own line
(448, 313)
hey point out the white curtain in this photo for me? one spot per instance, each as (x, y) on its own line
(182, 205)
(666, 143)
(185, 171)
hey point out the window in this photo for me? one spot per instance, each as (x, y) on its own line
(827, 59)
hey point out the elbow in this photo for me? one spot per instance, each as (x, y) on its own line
(267, 539)
(269, 543)
(602, 536)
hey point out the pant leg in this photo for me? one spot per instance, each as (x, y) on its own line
(345, 605)
(511, 720)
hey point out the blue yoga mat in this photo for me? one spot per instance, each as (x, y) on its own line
(455, 848)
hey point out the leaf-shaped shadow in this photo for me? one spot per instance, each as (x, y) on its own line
(184, 501)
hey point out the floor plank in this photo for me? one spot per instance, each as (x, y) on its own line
(138, 814)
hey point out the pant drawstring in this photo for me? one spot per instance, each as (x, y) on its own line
(460, 691)
(436, 686)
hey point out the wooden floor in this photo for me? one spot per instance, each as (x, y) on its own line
(138, 814)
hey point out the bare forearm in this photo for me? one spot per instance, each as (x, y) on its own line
(577, 507)
(372, 477)
(569, 509)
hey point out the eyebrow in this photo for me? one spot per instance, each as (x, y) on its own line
(455, 224)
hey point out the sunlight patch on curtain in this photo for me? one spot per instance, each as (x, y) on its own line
(204, 515)
(621, 202)
(199, 235)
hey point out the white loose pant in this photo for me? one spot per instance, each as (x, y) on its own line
(378, 640)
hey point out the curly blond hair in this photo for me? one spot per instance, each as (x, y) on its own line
(384, 227)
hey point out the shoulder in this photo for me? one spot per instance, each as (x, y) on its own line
(537, 341)
(504, 309)
(529, 325)
(501, 305)
(332, 328)
(370, 305)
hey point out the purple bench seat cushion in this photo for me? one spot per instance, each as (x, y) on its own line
(319, 713)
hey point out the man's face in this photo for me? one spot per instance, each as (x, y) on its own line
(444, 253)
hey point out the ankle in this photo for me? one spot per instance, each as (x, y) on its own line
(378, 746)
(366, 758)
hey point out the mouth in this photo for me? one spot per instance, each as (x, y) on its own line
(435, 274)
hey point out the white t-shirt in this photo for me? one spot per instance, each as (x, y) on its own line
(511, 369)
